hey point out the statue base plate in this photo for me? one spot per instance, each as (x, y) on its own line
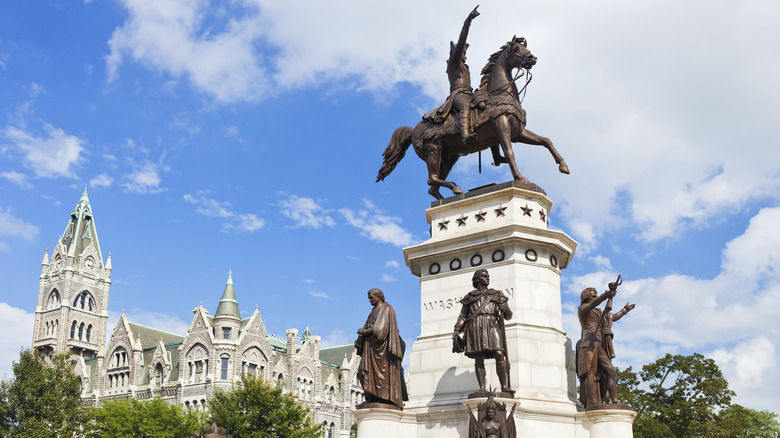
(377, 405)
(484, 394)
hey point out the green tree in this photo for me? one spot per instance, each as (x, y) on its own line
(144, 419)
(257, 409)
(687, 396)
(41, 400)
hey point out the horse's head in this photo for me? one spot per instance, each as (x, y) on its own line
(518, 55)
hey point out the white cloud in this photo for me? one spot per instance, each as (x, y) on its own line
(306, 212)
(12, 226)
(156, 320)
(246, 222)
(144, 179)
(52, 155)
(392, 264)
(335, 337)
(374, 224)
(101, 180)
(212, 208)
(388, 278)
(17, 178)
(17, 327)
(171, 37)
(318, 294)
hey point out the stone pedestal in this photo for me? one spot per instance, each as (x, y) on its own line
(389, 423)
(610, 423)
(504, 229)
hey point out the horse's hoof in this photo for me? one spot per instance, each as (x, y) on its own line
(456, 190)
(523, 179)
(563, 168)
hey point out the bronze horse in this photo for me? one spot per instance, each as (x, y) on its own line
(497, 119)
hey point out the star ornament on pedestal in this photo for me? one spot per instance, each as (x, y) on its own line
(462, 220)
(527, 210)
(500, 210)
(542, 216)
(443, 225)
(480, 216)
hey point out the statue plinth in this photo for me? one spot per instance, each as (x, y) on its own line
(504, 229)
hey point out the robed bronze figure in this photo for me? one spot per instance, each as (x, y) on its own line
(381, 351)
(481, 321)
(494, 109)
(595, 351)
(491, 420)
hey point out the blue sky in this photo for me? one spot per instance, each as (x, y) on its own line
(246, 135)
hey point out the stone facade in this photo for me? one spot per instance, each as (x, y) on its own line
(143, 362)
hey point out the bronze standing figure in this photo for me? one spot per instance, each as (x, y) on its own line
(595, 351)
(498, 119)
(381, 351)
(481, 321)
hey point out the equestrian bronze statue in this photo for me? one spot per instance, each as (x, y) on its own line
(496, 119)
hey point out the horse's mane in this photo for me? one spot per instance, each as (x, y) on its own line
(483, 83)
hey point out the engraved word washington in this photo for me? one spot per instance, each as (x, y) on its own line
(452, 302)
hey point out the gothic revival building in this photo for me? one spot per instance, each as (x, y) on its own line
(143, 362)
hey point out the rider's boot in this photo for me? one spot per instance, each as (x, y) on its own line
(465, 133)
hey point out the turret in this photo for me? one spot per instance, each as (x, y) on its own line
(45, 263)
(227, 319)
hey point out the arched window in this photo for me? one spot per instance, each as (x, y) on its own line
(332, 430)
(159, 375)
(81, 331)
(224, 368)
(73, 330)
(89, 331)
(84, 300)
(54, 300)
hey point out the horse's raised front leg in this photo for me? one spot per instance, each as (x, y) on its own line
(432, 157)
(528, 137)
(503, 132)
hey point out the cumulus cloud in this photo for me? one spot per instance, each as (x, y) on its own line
(222, 209)
(145, 178)
(175, 38)
(17, 325)
(51, 155)
(392, 264)
(388, 278)
(17, 178)
(12, 226)
(375, 225)
(306, 212)
(101, 180)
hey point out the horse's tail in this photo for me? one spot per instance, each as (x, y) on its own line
(399, 143)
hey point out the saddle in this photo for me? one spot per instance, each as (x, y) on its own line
(484, 107)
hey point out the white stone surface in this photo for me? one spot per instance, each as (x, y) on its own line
(505, 232)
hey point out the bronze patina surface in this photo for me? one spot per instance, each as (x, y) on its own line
(481, 321)
(595, 351)
(471, 121)
(491, 420)
(381, 351)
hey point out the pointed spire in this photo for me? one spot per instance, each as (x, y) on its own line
(228, 305)
(46, 258)
(108, 262)
(84, 198)
(345, 362)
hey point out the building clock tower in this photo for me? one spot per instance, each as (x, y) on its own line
(72, 311)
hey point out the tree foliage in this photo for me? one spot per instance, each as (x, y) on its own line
(258, 409)
(143, 419)
(41, 400)
(687, 396)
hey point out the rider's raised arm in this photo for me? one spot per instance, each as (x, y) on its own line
(457, 53)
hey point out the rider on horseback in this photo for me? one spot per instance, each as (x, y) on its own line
(459, 100)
